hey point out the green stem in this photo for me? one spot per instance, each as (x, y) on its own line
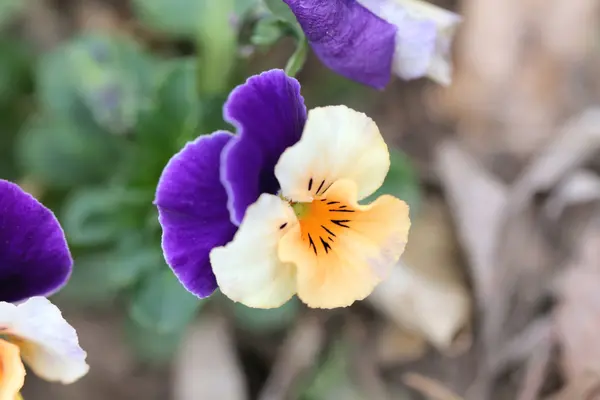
(298, 59)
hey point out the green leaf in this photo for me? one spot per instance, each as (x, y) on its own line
(282, 11)
(10, 9)
(173, 120)
(217, 39)
(114, 78)
(267, 32)
(98, 278)
(60, 154)
(332, 379)
(162, 305)
(96, 216)
(266, 320)
(401, 181)
(175, 17)
(298, 59)
(15, 69)
(151, 346)
(97, 79)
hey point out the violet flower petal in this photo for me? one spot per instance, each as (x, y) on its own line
(348, 38)
(192, 209)
(34, 256)
(269, 114)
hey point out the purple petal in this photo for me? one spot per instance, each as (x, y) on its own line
(34, 256)
(348, 38)
(269, 114)
(192, 209)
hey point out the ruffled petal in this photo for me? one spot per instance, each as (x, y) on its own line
(348, 38)
(34, 257)
(424, 37)
(337, 143)
(48, 344)
(342, 250)
(248, 269)
(12, 371)
(269, 114)
(415, 38)
(192, 209)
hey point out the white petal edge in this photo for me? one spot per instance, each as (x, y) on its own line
(49, 345)
(337, 143)
(248, 269)
(440, 68)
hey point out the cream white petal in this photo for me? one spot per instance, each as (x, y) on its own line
(337, 143)
(440, 68)
(248, 269)
(48, 344)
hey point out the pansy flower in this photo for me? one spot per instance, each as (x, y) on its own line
(274, 210)
(367, 40)
(34, 262)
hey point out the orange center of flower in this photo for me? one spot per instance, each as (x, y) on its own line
(323, 221)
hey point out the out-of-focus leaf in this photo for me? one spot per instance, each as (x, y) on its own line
(10, 9)
(401, 181)
(59, 153)
(267, 31)
(175, 17)
(281, 11)
(95, 216)
(298, 59)
(172, 121)
(217, 39)
(15, 70)
(264, 321)
(332, 380)
(113, 77)
(152, 346)
(100, 277)
(242, 7)
(100, 79)
(162, 305)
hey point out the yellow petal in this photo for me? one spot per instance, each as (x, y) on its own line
(12, 372)
(248, 269)
(343, 250)
(337, 143)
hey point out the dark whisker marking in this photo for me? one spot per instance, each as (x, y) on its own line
(326, 245)
(341, 210)
(283, 226)
(344, 206)
(341, 222)
(328, 231)
(320, 186)
(310, 184)
(312, 244)
(333, 202)
(323, 199)
(327, 188)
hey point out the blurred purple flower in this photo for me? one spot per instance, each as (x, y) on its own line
(34, 257)
(205, 189)
(365, 40)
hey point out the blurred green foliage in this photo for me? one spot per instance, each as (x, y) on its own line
(94, 121)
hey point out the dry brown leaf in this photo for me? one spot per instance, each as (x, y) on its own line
(429, 388)
(577, 317)
(578, 188)
(298, 355)
(477, 201)
(396, 345)
(206, 366)
(426, 291)
(578, 140)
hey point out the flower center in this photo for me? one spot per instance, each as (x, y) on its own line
(322, 222)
